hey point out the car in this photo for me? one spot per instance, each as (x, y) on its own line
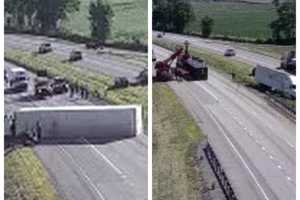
(45, 48)
(93, 45)
(75, 55)
(41, 87)
(58, 85)
(229, 52)
(159, 35)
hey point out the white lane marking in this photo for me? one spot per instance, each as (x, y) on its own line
(289, 178)
(209, 92)
(84, 174)
(279, 166)
(239, 155)
(292, 146)
(104, 157)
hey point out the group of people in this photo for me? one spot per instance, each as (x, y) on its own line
(76, 89)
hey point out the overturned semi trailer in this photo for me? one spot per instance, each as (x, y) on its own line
(80, 121)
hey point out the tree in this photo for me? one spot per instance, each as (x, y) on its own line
(46, 13)
(182, 14)
(160, 15)
(284, 27)
(207, 24)
(101, 15)
(49, 12)
(171, 15)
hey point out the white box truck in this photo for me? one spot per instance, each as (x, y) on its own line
(17, 78)
(71, 122)
(276, 80)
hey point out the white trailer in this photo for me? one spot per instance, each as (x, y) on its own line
(17, 78)
(73, 122)
(276, 80)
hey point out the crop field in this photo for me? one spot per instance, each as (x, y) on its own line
(236, 19)
(129, 22)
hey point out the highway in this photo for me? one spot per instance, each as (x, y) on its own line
(85, 169)
(254, 143)
(219, 47)
(111, 62)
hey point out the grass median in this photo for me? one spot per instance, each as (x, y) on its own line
(98, 84)
(26, 178)
(175, 140)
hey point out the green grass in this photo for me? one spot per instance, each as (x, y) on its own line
(237, 19)
(218, 62)
(275, 51)
(175, 140)
(129, 23)
(96, 83)
(26, 178)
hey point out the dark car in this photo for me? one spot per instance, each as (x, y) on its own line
(229, 52)
(58, 85)
(159, 35)
(75, 55)
(93, 45)
(45, 48)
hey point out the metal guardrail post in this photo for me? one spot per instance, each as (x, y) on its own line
(219, 173)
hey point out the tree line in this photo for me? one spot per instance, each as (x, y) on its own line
(45, 16)
(174, 15)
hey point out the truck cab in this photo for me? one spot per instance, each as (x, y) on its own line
(17, 78)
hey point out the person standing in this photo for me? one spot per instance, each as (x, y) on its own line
(38, 132)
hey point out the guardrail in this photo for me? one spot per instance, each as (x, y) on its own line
(219, 173)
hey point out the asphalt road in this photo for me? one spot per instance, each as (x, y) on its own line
(254, 143)
(219, 47)
(112, 62)
(83, 169)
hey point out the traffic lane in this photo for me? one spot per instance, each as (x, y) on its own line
(278, 173)
(64, 52)
(209, 97)
(103, 169)
(91, 58)
(116, 56)
(93, 63)
(132, 158)
(254, 107)
(260, 109)
(264, 131)
(215, 47)
(241, 181)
